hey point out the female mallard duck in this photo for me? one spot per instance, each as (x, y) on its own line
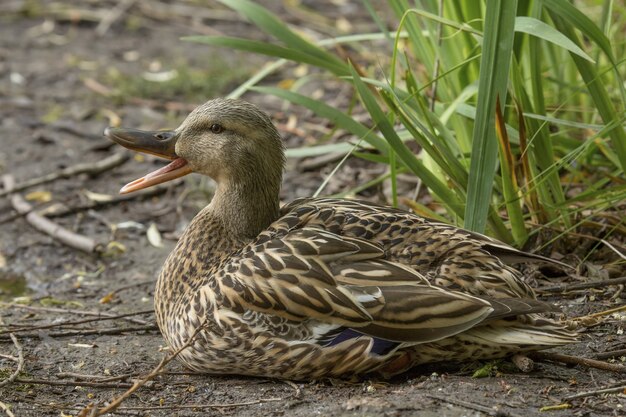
(322, 287)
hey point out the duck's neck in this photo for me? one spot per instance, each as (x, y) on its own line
(245, 208)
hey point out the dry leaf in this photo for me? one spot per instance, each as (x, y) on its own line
(107, 298)
(39, 196)
(81, 345)
(130, 225)
(154, 236)
(114, 248)
(97, 197)
(160, 77)
(286, 84)
(3, 261)
(114, 119)
(343, 25)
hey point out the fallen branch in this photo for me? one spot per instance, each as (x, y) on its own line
(583, 285)
(89, 332)
(470, 406)
(115, 403)
(63, 235)
(199, 406)
(98, 378)
(601, 313)
(575, 360)
(91, 168)
(610, 354)
(73, 322)
(114, 14)
(6, 409)
(37, 309)
(20, 362)
(54, 211)
(595, 392)
(35, 381)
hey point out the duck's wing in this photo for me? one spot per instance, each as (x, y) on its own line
(322, 207)
(308, 274)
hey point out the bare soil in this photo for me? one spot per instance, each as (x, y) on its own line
(58, 77)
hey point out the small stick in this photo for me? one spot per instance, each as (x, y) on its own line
(583, 285)
(66, 323)
(64, 211)
(468, 405)
(595, 392)
(614, 249)
(48, 227)
(156, 371)
(20, 363)
(602, 313)
(99, 378)
(37, 309)
(6, 409)
(575, 360)
(200, 406)
(295, 387)
(35, 381)
(88, 332)
(91, 168)
(113, 15)
(610, 354)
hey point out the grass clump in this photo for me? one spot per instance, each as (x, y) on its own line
(517, 107)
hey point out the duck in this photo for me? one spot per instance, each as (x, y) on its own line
(322, 287)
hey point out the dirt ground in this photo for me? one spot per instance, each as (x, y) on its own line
(67, 70)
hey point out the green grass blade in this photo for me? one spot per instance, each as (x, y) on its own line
(440, 189)
(494, 68)
(509, 181)
(535, 27)
(270, 50)
(270, 23)
(336, 116)
(597, 90)
(569, 13)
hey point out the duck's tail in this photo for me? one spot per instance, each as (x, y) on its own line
(494, 340)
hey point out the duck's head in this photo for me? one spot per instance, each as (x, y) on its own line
(231, 141)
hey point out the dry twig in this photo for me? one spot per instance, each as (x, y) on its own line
(98, 378)
(601, 313)
(610, 354)
(115, 403)
(575, 360)
(113, 15)
(20, 363)
(91, 168)
(200, 406)
(55, 211)
(6, 409)
(596, 392)
(48, 227)
(89, 332)
(98, 384)
(37, 309)
(471, 406)
(583, 285)
(67, 323)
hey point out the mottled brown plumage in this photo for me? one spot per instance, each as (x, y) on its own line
(322, 287)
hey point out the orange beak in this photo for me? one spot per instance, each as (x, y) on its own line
(161, 144)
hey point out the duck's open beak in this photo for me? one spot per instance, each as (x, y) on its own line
(162, 144)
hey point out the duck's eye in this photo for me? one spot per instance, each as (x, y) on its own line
(215, 128)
